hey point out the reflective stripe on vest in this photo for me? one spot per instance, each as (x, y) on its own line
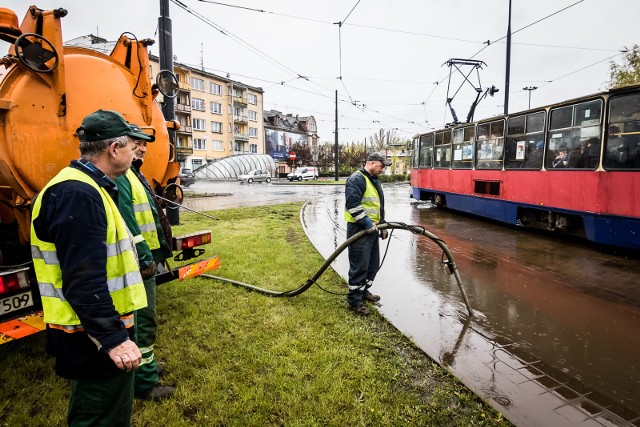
(142, 211)
(370, 203)
(123, 277)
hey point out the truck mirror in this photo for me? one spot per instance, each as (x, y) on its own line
(167, 83)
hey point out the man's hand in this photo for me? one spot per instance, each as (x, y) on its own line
(384, 234)
(126, 355)
(148, 271)
(372, 230)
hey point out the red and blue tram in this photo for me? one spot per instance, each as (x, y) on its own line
(571, 167)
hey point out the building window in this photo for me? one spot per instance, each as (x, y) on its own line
(182, 141)
(196, 163)
(252, 99)
(253, 132)
(217, 145)
(197, 84)
(215, 89)
(216, 127)
(198, 124)
(216, 107)
(199, 144)
(253, 148)
(253, 116)
(197, 104)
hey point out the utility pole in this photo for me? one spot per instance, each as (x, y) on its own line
(508, 72)
(335, 158)
(166, 63)
(530, 89)
(365, 150)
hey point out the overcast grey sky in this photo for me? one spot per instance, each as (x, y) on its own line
(390, 54)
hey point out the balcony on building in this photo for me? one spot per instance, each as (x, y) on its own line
(185, 130)
(241, 136)
(240, 118)
(183, 108)
(184, 86)
(240, 99)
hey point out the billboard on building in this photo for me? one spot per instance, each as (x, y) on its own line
(279, 143)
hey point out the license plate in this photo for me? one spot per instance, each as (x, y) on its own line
(16, 302)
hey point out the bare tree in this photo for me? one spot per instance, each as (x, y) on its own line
(383, 138)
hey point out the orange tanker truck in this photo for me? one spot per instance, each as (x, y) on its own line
(46, 89)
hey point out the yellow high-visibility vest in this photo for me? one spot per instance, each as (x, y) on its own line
(370, 203)
(143, 213)
(123, 276)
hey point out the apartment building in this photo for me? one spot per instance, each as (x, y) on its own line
(218, 117)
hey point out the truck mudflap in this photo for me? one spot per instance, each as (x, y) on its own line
(32, 323)
(21, 327)
(165, 275)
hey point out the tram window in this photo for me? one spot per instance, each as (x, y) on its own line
(426, 151)
(463, 151)
(622, 149)
(576, 146)
(490, 145)
(525, 142)
(414, 155)
(442, 149)
(535, 122)
(515, 125)
(587, 114)
(561, 118)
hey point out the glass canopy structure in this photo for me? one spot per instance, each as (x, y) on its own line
(232, 166)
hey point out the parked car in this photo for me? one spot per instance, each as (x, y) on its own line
(304, 172)
(257, 175)
(186, 177)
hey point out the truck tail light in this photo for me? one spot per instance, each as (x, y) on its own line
(13, 280)
(192, 240)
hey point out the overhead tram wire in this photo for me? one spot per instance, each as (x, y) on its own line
(242, 42)
(340, 23)
(402, 31)
(548, 82)
(373, 27)
(489, 43)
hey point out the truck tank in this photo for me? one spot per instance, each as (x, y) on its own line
(46, 89)
(45, 92)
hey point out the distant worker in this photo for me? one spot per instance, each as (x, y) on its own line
(138, 206)
(364, 209)
(88, 276)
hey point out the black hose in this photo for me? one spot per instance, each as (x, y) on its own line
(415, 229)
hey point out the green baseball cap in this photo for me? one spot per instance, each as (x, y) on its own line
(105, 124)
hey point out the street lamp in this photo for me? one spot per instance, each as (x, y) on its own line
(530, 89)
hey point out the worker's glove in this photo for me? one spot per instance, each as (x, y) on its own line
(148, 271)
(372, 230)
(384, 234)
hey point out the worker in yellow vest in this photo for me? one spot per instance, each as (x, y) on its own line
(137, 204)
(87, 270)
(364, 209)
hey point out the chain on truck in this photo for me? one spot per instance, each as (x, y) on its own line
(45, 92)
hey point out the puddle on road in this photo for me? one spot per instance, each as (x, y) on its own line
(554, 340)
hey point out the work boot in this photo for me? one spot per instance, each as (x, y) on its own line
(157, 392)
(359, 309)
(162, 368)
(371, 297)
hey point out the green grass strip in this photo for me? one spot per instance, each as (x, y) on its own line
(239, 358)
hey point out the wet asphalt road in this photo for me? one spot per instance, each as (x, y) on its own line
(554, 338)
